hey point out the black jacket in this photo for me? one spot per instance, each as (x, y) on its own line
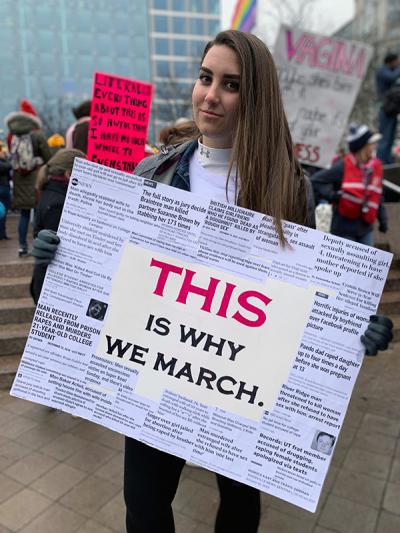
(47, 216)
(5, 167)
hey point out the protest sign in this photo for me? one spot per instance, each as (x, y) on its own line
(119, 120)
(320, 78)
(181, 321)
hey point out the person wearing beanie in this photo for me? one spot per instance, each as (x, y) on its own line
(28, 150)
(56, 142)
(77, 133)
(354, 186)
(52, 184)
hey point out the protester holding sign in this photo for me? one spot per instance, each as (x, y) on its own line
(241, 152)
(354, 185)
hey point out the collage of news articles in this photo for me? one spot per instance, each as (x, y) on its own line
(165, 317)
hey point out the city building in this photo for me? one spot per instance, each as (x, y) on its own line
(179, 29)
(49, 51)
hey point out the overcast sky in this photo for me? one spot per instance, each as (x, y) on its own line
(326, 17)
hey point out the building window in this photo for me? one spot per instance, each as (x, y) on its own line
(181, 69)
(180, 47)
(197, 6)
(178, 5)
(160, 4)
(197, 26)
(161, 47)
(178, 25)
(160, 24)
(162, 69)
(213, 27)
(197, 48)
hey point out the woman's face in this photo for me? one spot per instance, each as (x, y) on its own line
(215, 97)
(366, 152)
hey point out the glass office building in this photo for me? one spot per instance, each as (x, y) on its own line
(179, 30)
(49, 50)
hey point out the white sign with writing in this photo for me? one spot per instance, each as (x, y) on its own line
(181, 322)
(320, 78)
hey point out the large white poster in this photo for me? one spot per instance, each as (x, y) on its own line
(181, 322)
(320, 78)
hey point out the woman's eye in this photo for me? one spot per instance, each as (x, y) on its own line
(204, 78)
(232, 85)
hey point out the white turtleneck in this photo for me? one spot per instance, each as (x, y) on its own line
(208, 170)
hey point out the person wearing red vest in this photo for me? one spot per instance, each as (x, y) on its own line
(354, 187)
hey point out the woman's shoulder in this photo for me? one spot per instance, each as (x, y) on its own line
(148, 166)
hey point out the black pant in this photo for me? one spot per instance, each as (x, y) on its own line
(150, 483)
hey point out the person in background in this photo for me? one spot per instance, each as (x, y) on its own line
(77, 134)
(52, 184)
(386, 76)
(56, 142)
(5, 191)
(179, 132)
(241, 153)
(354, 186)
(28, 150)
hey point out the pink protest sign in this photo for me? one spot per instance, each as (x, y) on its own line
(119, 120)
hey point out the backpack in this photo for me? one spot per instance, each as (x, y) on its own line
(391, 102)
(23, 159)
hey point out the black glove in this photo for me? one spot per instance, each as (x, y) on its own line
(377, 335)
(383, 227)
(44, 247)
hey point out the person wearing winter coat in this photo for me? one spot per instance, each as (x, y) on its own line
(5, 194)
(241, 152)
(28, 150)
(354, 186)
(52, 185)
(77, 133)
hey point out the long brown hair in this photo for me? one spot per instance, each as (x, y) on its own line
(271, 179)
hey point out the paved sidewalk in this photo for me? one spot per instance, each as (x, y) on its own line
(60, 474)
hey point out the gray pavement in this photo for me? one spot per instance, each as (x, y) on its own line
(60, 474)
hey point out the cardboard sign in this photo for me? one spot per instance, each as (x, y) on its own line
(319, 78)
(118, 121)
(212, 337)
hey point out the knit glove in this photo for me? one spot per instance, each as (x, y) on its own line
(44, 247)
(378, 334)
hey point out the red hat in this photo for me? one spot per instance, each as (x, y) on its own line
(26, 109)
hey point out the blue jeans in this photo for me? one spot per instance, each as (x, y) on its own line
(387, 127)
(23, 228)
(367, 239)
(5, 198)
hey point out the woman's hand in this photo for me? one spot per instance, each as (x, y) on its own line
(44, 247)
(377, 335)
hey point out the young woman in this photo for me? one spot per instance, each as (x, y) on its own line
(241, 152)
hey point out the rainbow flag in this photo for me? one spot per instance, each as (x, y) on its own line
(244, 16)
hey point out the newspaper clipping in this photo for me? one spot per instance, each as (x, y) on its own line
(165, 317)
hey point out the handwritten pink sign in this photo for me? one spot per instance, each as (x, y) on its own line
(325, 53)
(119, 120)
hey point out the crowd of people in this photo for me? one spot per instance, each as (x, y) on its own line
(239, 149)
